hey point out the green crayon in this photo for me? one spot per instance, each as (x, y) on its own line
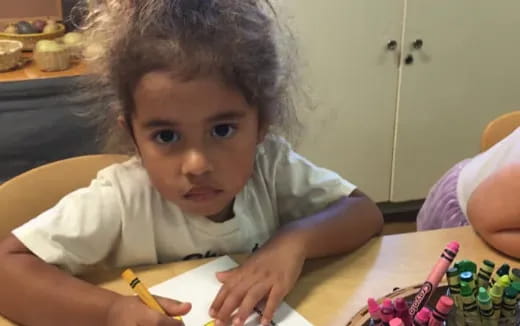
(509, 302)
(484, 273)
(496, 294)
(452, 275)
(504, 281)
(468, 278)
(469, 304)
(466, 265)
(503, 270)
(484, 304)
(515, 275)
(516, 286)
(457, 265)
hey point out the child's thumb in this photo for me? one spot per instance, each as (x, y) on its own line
(174, 307)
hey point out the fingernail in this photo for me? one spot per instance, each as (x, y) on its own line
(219, 323)
(236, 321)
(212, 312)
(265, 322)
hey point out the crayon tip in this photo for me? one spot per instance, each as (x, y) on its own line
(504, 281)
(511, 293)
(444, 304)
(400, 304)
(454, 246)
(497, 290)
(483, 296)
(387, 304)
(396, 322)
(489, 263)
(423, 315)
(372, 305)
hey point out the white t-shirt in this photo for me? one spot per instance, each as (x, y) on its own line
(122, 220)
(503, 153)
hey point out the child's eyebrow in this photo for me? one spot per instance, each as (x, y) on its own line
(155, 123)
(230, 115)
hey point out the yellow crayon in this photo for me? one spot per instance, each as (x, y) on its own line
(143, 293)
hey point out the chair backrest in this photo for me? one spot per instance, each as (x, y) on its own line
(498, 129)
(31, 193)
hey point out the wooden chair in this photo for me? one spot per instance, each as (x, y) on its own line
(498, 129)
(32, 192)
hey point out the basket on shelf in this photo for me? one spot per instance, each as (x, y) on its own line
(10, 54)
(53, 60)
(29, 40)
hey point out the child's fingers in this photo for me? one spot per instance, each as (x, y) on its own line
(222, 294)
(174, 307)
(230, 303)
(152, 317)
(218, 301)
(254, 295)
(275, 298)
(224, 276)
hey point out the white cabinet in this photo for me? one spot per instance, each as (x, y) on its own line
(466, 74)
(353, 82)
(392, 128)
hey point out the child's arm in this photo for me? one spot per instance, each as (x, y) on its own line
(272, 271)
(36, 293)
(340, 228)
(494, 210)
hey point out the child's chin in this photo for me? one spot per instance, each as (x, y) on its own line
(203, 211)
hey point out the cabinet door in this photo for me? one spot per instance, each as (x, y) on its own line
(466, 73)
(352, 78)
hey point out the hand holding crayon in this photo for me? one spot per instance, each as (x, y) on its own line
(145, 309)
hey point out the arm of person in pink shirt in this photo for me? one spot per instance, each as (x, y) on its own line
(494, 210)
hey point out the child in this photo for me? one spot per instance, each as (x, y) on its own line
(481, 191)
(199, 87)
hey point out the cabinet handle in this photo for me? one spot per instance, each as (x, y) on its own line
(391, 45)
(417, 44)
(408, 59)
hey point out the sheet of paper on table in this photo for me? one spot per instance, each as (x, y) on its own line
(200, 286)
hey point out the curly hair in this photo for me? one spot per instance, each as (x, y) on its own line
(241, 42)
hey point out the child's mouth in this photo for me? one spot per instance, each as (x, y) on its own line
(202, 193)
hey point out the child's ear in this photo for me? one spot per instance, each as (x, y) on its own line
(122, 123)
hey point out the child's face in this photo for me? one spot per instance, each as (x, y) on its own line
(197, 140)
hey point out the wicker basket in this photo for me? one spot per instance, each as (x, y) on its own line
(10, 54)
(29, 40)
(52, 60)
(362, 318)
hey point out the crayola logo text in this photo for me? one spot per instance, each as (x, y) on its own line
(420, 298)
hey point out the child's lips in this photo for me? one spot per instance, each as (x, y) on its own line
(202, 193)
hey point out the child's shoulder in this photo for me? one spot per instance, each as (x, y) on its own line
(126, 175)
(274, 145)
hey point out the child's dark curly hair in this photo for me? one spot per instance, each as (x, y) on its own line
(240, 42)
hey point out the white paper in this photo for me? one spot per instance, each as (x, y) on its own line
(199, 286)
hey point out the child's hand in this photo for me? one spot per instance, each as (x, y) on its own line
(131, 311)
(270, 273)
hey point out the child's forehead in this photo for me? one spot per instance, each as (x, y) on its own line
(158, 82)
(158, 94)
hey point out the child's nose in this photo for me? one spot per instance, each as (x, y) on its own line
(196, 163)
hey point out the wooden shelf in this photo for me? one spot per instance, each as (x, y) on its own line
(30, 71)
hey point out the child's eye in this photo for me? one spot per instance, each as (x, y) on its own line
(223, 131)
(166, 137)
